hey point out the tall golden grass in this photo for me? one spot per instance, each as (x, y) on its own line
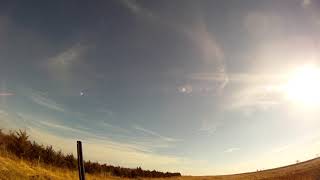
(12, 167)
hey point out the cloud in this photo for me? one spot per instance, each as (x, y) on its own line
(119, 154)
(58, 126)
(6, 94)
(106, 111)
(111, 136)
(206, 45)
(87, 136)
(230, 150)
(67, 57)
(305, 3)
(155, 134)
(198, 33)
(250, 91)
(136, 9)
(104, 149)
(45, 101)
(54, 126)
(62, 65)
(239, 77)
(208, 127)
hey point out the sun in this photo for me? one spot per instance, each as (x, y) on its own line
(303, 86)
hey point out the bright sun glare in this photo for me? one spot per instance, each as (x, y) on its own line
(304, 86)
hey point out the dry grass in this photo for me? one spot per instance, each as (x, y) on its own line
(14, 168)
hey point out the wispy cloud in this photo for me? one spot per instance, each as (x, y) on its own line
(135, 8)
(255, 96)
(104, 149)
(43, 100)
(305, 3)
(105, 111)
(59, 126)
(117, 153)
(6, 94)
(240, 77)
(67, 57)
(111, 136)
(230, 150)
(256, 90)
(89, 136)
(61, 65)
(54, 126)
(206, 45)
(155, 134)
(208, 127)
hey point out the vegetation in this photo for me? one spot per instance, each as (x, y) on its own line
(12, 167)
(22, 159)
(18, 143)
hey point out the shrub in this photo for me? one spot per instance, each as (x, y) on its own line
(18, 143)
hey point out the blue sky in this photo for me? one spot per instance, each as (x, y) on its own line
(189, 86)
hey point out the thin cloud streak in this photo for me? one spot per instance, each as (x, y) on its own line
(209, 127)
(240, 77)
(55, 126)
(147, 131)
(46, 102)
(230, 150)
(6, 94)
(122, 155)
(124, 137)
(104, 149)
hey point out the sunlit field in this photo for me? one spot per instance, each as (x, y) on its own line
(13, 168)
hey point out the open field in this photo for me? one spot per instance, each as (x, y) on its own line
(14, 168)
(308, 170)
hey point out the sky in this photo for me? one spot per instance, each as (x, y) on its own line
(198, 87)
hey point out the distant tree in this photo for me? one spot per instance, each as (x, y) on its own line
(19, 143)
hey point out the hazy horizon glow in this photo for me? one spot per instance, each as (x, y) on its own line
(199, 87)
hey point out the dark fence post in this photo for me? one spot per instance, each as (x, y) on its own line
(80, 161)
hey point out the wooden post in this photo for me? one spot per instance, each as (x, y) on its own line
(80, 161)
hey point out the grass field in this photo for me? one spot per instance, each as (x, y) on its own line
(14, 168)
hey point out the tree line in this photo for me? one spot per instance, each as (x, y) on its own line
(18, 143)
